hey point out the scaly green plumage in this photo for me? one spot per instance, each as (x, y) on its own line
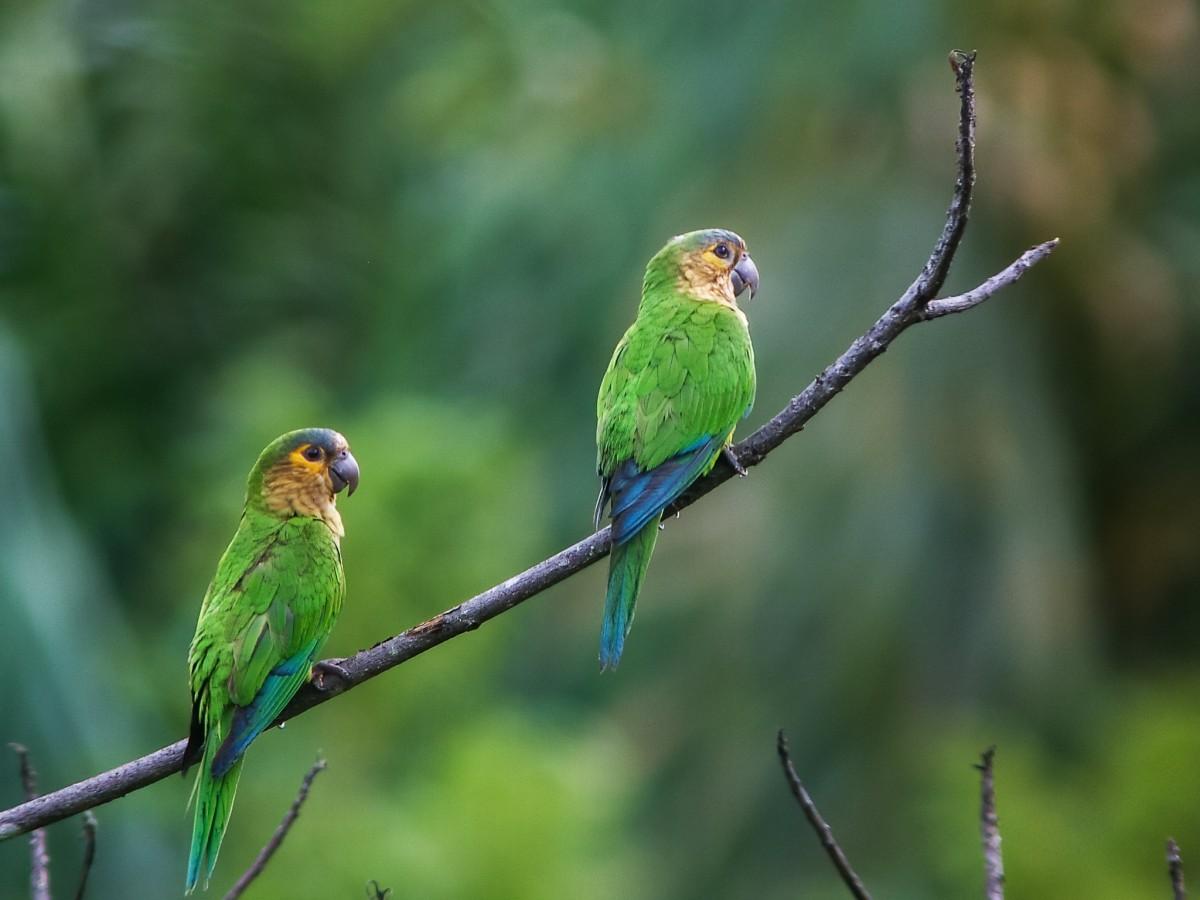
(679, 381)
(274, 599)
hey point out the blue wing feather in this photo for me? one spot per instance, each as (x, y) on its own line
(637, 496)
(250, 721)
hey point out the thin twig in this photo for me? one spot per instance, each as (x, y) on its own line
(89, 852)
(1010, 274)
(1175, 870)
(902, 314)
(820, 826)
(989, 828)
(39, 855)
(907, 311)
(281, 832)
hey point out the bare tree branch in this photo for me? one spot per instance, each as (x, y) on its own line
(820, 826)
(989, 828)
(89, 852)
(1175, 870)
(281, 832)
(1010, 274)
(909, 310)
(39, 855)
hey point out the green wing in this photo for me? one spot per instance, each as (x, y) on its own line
(682, 375)
(277, 592)
(679, 381)
(276, 595)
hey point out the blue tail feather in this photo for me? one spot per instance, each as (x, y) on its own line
(638, 501)
(214, 797)
(627, 568)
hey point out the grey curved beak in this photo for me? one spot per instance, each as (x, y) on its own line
(744, 276)
(343, 472)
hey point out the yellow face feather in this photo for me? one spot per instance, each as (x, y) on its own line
(705, 273)
(300, 484)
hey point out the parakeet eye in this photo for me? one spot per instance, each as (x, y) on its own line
(313, 454)
(722, 251)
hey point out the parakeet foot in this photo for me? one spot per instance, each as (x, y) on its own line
(731, 458)
(323, 669)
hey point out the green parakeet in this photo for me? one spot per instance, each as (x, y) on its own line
(679, 381)
(271, 605)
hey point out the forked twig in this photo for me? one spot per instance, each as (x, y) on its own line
(820, 826)
(39, 855)
(89, 852)
(989, 828)
(1175, 870)
(281, 832)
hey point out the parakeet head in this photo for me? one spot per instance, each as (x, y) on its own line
(299, 474)
(712, 264)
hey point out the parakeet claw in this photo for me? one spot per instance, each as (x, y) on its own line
(323, 669)
(731, 458)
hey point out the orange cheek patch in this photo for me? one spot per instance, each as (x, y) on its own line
(300, 463)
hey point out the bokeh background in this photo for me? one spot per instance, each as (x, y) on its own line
(425, 225)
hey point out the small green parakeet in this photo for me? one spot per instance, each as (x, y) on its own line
(679, 381)
(272, 603)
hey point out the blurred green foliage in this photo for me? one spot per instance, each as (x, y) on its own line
(425, 225)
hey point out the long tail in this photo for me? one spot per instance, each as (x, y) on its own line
(214, 803)
(626, 569)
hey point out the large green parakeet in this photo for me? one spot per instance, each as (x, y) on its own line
(679, 381)
(275, 597)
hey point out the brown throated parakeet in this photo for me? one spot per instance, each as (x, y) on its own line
(679, 381)
(271, 605)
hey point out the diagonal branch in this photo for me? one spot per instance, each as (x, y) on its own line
(913, 307)
(281, 832)
(39, 855)
(989, 828)
(857, 889)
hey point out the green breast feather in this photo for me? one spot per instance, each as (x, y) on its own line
(682, 371)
